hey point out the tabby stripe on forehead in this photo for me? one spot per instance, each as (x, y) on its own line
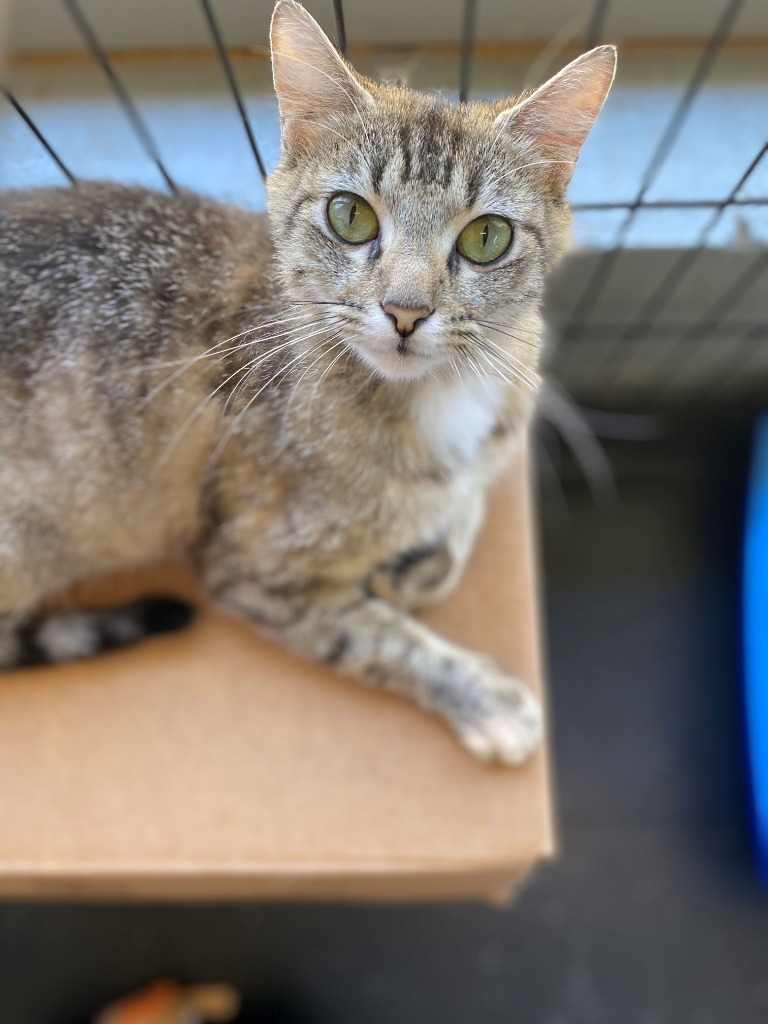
(448, 169)
(405, 147)
(474, 181)
(436, 151)
(453, 150)
(377, 167)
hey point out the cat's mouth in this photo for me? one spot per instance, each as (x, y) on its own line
(403, 361)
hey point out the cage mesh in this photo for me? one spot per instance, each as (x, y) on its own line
(646, 360)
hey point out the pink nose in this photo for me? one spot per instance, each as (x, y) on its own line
(405, 319)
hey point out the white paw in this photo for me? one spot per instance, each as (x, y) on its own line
(504, 722)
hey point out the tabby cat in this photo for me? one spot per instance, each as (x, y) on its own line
(310, 403)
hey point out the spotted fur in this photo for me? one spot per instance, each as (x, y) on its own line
(178, 375)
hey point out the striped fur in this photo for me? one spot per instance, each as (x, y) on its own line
(180, 376)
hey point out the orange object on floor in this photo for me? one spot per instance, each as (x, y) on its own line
(168, 1002)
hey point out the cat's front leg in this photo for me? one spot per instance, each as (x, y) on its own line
(424, 575)
(416, 578)
(493, 714)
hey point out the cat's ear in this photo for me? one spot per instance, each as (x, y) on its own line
(556, 119)
(312, 80)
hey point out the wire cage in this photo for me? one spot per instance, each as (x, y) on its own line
(648, 326)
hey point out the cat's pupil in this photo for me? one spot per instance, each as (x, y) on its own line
(485, 235)
(352, 213)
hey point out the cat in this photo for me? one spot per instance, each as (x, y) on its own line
(311, 403)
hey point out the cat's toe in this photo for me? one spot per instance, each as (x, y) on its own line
(509, 729)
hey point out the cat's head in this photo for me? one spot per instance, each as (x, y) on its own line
(431, 224)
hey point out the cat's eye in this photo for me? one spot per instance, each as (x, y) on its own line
(485, 239)
(352, 218)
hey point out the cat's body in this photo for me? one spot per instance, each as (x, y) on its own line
(325, 469)
(138, 474)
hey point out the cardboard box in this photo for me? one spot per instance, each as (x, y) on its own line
(212, 764)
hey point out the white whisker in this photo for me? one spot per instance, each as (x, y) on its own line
(313, 363)
(511, 360)
(504, 328)
(261, 357)
(342, 344)
(247, 369)
(576, 431)
(236, 421)
(216, 351)
(501, 369)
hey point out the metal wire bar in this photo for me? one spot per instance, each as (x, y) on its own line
(229, 73)
(38, 134)
(737, 368)
(596, 367)
(687, 335)
(661, 295)
(726, 364)
(468, 28)
(647, 316)
(341, 31)
(596, 24)
(717, 312)
(601, 335)
(684, 349)
(669, 204)
(134, 117)
(597, 282)
(715, 375)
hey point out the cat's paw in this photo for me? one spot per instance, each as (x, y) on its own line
(502, 720)
(417, 578)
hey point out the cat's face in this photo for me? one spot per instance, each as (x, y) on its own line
(431, 225)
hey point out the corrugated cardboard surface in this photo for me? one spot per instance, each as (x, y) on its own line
(213, 764)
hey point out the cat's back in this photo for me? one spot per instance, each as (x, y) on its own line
(79, 264)
(96, 282)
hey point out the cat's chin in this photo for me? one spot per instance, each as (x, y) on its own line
(394, 365)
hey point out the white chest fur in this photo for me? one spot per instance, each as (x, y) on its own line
(456, 417)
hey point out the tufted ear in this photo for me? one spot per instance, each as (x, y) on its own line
(312, 80)
(556, 119)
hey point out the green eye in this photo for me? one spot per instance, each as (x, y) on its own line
(485, 239)
(352, 218)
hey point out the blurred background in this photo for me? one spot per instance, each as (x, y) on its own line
(657, 363)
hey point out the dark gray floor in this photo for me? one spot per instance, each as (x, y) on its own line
(652, 914)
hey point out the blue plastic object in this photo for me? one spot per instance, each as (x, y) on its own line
(756, 637)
